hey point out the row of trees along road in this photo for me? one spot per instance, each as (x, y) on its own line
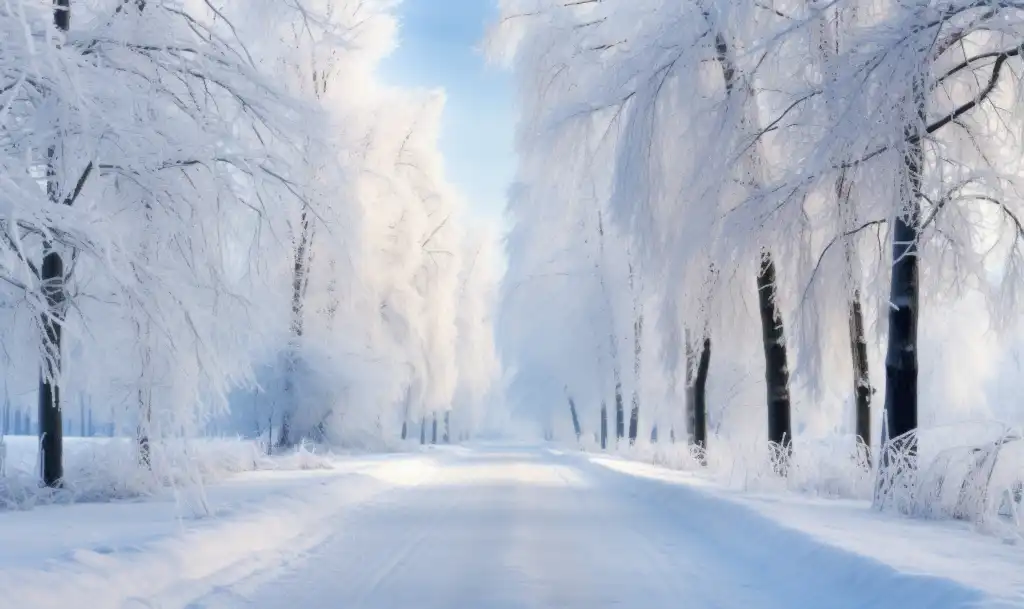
(828, 157)
(213, 211)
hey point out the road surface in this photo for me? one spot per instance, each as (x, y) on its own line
(529, 528)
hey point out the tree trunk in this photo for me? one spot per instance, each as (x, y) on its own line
(620, 415)
(620, 425)
(423, 430)
(146, 411)
(901, 355)
(696, 391)
(634, 413)
(51, 429)
(575, 418)
(406, 411)
(780, 431)
(634, 419)
(433, 433)
(776, 369)
(145, 391)
(861, 380)
(447, 427)
(862, 390)
(300, 280)
(604, 426)
(638, 331)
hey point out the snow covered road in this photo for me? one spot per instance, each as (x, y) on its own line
(507, 527)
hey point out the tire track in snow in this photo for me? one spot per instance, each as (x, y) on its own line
(416, 538)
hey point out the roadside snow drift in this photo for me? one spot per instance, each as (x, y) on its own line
(111, 555)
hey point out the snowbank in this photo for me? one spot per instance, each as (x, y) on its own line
(828, 467)
(972, 471)
(105, 469)
(837, 543)
(110, 554)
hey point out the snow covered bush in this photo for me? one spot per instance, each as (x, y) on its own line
(968, 472)
(105, 469)
(822, 467)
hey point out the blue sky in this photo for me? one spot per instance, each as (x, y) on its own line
(439, 44)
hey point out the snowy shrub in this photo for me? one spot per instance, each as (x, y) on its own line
(834, 467)
(108, 469)
(968, 472)
(971, 472)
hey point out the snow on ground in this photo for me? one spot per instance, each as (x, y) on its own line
(951, 553)
(104, 469)
(111, 553)
(496, 527)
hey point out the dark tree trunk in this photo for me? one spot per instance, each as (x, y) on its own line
(862, 389)
(776, 369)
(144, 458)
(406, 411)
(433, 432)
(604, 426)
(447, 427)
(62, 14)
(575, 419)
(861, 380)
(423, 430)
(696, 400)
(901, 355)
(51, 429)
(634, 416)
(780, 431)
(620, 415)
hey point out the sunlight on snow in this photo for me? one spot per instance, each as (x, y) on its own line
(652, 472)
(503, 473)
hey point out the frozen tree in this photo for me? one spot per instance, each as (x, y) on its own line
(709, 140)
(149, 111)
(192, 208)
